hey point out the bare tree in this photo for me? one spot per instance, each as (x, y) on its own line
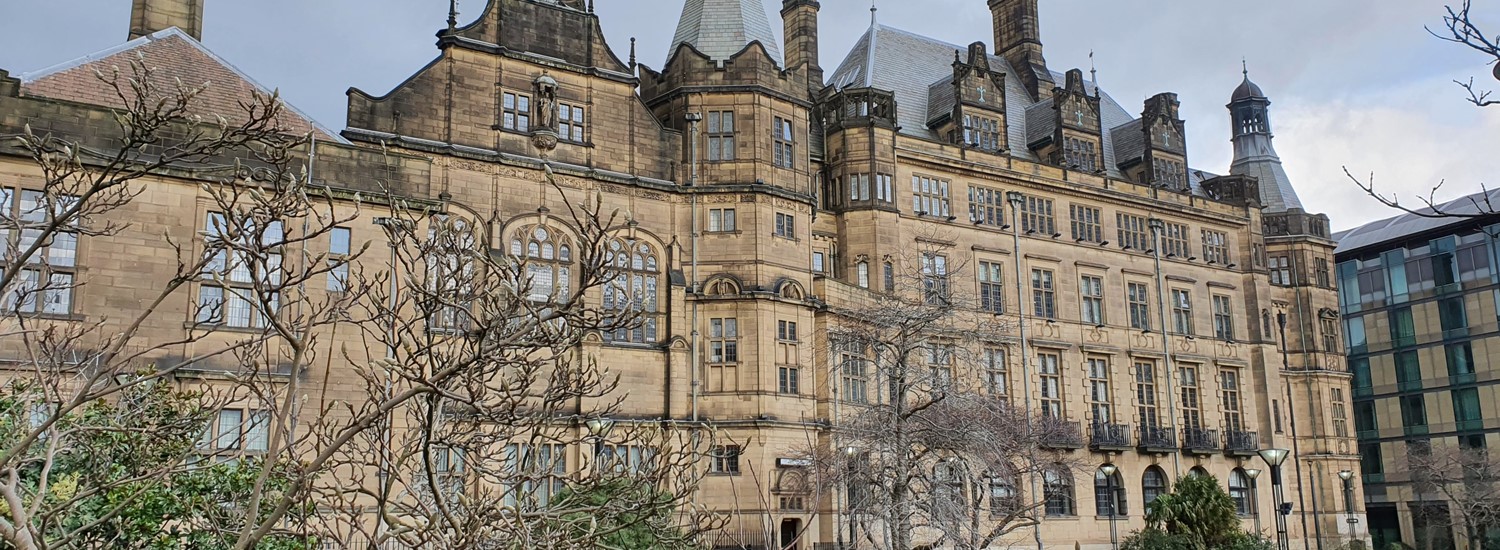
(472, 375)
(1459, 28)
(930, 449)
(1468, 482)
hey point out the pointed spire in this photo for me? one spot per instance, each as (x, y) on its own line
(873, 11)
(721, 28)
(452, 14)
(632, 55)
(1245, 64)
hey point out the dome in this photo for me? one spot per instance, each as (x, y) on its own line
(1247, 90)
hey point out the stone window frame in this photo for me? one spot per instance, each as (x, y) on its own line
(931, 196)
(720, 136)
(1223, 311)
(1087, 223)
(1133, 232)
(981, 132)
(1139, 305)
(226, 285)
(56, 261)
(1079, 154)
(986, 206)
(515, 111)
(783, 143)
(1091, 300)
(1231, 404)
(1043, 293)
(1182, 311)
(1101, 389)
(1215, 247)
(1038, 215)
(572, 123)
(721, 220)
(991, 279)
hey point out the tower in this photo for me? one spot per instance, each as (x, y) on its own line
(1018, 39)
(1254, 154)
(149, 16)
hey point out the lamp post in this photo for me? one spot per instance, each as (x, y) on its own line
(1016, 199)
(1109, 471)
(1253, 473)
(1275, 458)
(1348, 477)
(849, 453)
(599, 429)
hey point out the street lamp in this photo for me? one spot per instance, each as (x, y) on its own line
(1253, 473)
(1109, 471)
(1275, 458)
(1348, 477)
(599, 429)
(850, 453)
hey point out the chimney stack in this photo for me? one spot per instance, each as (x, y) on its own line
(1018, 39)
(800, 20)
(150, 16)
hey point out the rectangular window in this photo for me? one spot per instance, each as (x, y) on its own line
(1099, 394)
(1460, 360)
(854, 370)
(1078, 154)
(1466, 409)
(992, 287)
(1340, 412)
(1133, 231)
(1370, 462)
(786, 226)
(1365, 422)
(1408, 371)
(37, 290)
(1137, 295)
(1037, 216)
(1413, 411)
(1051, 378)
(996, 374)
(786, 331)
(516, 112)
(338, 259)
(1174, 240)
(818, 262)
(783, 155)
(930, 196)
(536, 473)
(940, 362)
(1145, 394)
(720, 136)
(1182, 311)
(1403, 329)
(1229, 394)
(721, 220)
(885, 188)
(1192, 408)
(723, 340)
(1281, 270)
(1216, 247)
(1087, 224)
(1330, 329)
(986, 206)
(935, 279)
(1091, 290)
(888, 273)
(1321, 274)
(229, 436)
(1223, 317)
(788, 379)
(1452, 315)
(859, 187)
(1043, 294)
(982, 133)
(227, 293)
(570, 123)
(726, 459)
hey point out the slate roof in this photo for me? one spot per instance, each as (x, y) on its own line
(1130, 143)
(1040, 121)
(173, 55)
(909, 64)
(1247, 90)
(1400, 227)
(722, 28)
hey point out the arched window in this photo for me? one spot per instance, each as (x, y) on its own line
(1198, 471)
(450, 253)
(630, 292)
(1057, 490)
(1153, 484)
(1239, 490)
(1106, 504)
(862, 271)
(548, 257)
(1004, 498)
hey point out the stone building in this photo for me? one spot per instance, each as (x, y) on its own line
(1418, 300)
(1189, 319)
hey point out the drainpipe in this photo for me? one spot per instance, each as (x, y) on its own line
(1015, 199)
(1166, 338)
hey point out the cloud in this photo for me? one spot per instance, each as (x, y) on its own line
(1410, 136)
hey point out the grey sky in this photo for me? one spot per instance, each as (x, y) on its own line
(1353, 82)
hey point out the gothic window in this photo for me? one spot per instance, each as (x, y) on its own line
(1153, 484)
(1057, 490)
(630, 292)
(720, 135)
(570, 120)
(1239, 491)
(1109, 495)
(516, 112)
(451, 244)
(862, 274)
(547, 258)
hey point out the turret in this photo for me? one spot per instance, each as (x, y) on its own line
(150, 16)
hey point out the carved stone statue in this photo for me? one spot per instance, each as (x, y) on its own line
(546, 104)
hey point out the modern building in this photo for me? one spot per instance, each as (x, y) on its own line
(1418, 296)
(1182, 320)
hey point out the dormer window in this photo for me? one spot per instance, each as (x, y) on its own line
(1078, 154)
(982, 133)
